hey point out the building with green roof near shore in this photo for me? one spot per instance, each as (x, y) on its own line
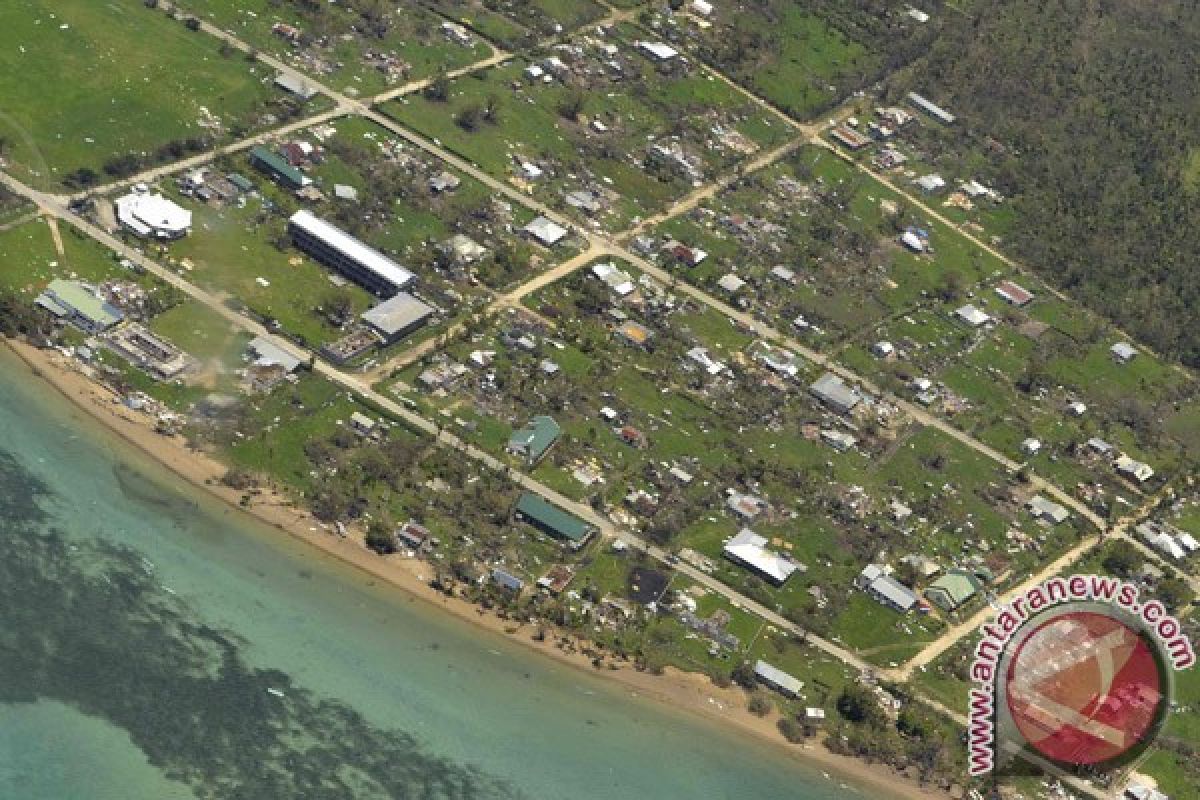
(535, 439)
(545, 516)
(78, 304)
(951, 590)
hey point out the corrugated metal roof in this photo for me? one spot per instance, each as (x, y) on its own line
(364, 255)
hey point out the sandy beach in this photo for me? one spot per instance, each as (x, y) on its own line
(681, 690)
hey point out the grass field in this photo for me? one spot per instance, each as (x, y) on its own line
(138, 80)
(528, 124)
(413, 34)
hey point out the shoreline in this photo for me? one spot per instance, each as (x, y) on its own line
(685, 691)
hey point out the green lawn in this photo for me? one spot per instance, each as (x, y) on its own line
(412, 33)
(138, 80)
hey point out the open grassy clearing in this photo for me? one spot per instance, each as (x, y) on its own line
(501, 120)
(347, 51)
(138, 82)
(833, 229)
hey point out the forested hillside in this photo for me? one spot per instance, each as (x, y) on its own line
(1087, 114)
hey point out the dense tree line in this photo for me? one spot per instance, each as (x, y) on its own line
(1085, 114)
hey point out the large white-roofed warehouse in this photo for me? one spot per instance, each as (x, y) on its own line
(359, 262)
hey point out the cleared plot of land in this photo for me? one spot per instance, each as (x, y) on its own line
(88, 85)
(361, 53)
(629, 138)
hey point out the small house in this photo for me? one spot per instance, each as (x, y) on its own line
(833, 392)
(1123, 352)
(534, 440)
(777, 679)
(952, 590)
(546, 232)
(972, 316)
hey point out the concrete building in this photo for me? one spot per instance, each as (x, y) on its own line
(398, 317)
(152, 216)
(335, 248)
(76, 303)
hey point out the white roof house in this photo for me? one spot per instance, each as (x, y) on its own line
(931, 182)
(266, 353)
(615, 279)
(1077, 408)
(1123, 352)
(658, 50)
(748, 549)
(912, 242)
(1130, 468)
(1189, 542)
(1165, 543)
(731, 283)
(295, 84)
(701, 7)
(883, 349)
(152, 215)
(777, 679)
(546, 232)
(700, 356)
(1031, 446)
(783, 273)
(1047, 510)
(972, 316)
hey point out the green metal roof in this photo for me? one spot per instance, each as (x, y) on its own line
(272, 161)
(536, 437)
(537, 509)
(74, 297)
(952, 589)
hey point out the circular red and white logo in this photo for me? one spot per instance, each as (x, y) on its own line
(1084, 688)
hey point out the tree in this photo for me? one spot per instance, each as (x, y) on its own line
(571, 106)
(791, 729)
(1123, 559)
(380, 537)
(438, 89)
(760, 704)
(1174, 592)
(743, 675)
(858, 704)
(338, 303)
(468, 118)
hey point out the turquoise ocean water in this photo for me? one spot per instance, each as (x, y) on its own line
(142, 624)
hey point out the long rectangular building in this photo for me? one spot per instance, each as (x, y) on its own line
(359, 262)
